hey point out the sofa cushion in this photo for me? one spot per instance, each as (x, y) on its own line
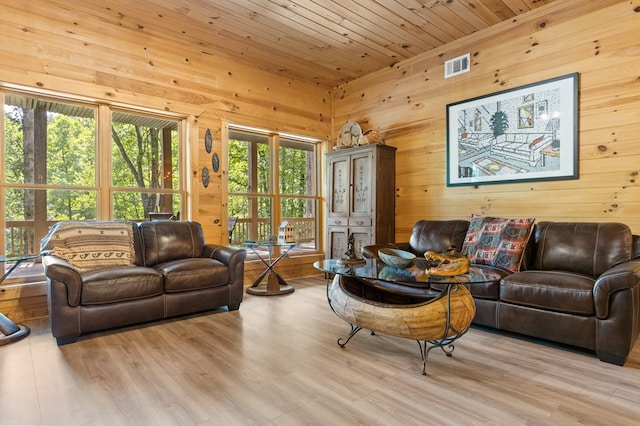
(587, 248)
(192, 274)
(488, 290)
(120, 283)
(91, 245)
(498, 242)
(166, 240)
(551, 290)
(437, 235)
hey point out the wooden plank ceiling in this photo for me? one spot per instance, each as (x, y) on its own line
(326, 41)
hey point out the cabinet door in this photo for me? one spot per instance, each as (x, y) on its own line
(361, 184)
(337, 240)
(339, 186)
(361, 237)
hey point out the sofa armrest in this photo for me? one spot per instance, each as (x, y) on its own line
(58, 269)
(224, 254)
(233, 257)
(623, 276)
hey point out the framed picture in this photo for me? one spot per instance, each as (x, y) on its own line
(529, 133)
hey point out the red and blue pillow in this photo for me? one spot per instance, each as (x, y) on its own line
(496, 241)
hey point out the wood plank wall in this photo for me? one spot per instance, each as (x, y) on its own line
(65, 47)
(407, 104)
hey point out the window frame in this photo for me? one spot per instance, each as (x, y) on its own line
(274, 193)
(104, 189)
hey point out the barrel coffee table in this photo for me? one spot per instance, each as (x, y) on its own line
(402, 303)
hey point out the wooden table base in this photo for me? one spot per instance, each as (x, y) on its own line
(437, 321)
(275, 286)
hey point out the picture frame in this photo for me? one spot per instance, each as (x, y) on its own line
(528, 133)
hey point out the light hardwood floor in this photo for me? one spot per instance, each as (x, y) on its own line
(276, 362)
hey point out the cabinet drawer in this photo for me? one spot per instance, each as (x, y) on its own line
(338, 221)
(359, 221)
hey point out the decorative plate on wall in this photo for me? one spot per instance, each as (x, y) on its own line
(208, 140)
(205, 176)
(215, 162)
(349, 135)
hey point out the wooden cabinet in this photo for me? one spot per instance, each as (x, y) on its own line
(360, 197)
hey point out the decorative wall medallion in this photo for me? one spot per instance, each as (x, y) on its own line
(208, 141)
(205, 176)
(215, 162)
(349, 135)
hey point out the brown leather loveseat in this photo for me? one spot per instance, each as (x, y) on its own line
(110, 274)
(578, 284)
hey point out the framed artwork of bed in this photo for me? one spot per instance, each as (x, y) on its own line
(528, 133)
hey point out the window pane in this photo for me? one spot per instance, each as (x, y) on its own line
(137, 205)
(254, 218)
(49, 142)
(144, 152)
(72, 204)
(297, 167)
(30, 212)
(57, 204)
(301, 212)
(294, 187)
(249, 163)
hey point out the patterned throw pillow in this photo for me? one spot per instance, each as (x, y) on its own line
(88, 245)
(496, 241)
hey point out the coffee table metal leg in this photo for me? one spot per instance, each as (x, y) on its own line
(343, 342)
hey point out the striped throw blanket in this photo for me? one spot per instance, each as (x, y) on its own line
(91, 245)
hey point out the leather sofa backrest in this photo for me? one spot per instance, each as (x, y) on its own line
(636, 246)
(165, 240)
(581, 247)
(437, 235)
(137, 245)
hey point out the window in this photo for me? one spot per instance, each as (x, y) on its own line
(272, 178)
(145, 166)
(297, 180)
(58, 167)
(49, 168)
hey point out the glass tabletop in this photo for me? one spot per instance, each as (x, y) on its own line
(416, 274)
(10, 263)
(268, 244)
(18, 258)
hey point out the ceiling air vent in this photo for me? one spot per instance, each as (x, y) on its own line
(456, 66)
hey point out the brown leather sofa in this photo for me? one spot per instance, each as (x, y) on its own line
(172, 272)
(578, 284)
